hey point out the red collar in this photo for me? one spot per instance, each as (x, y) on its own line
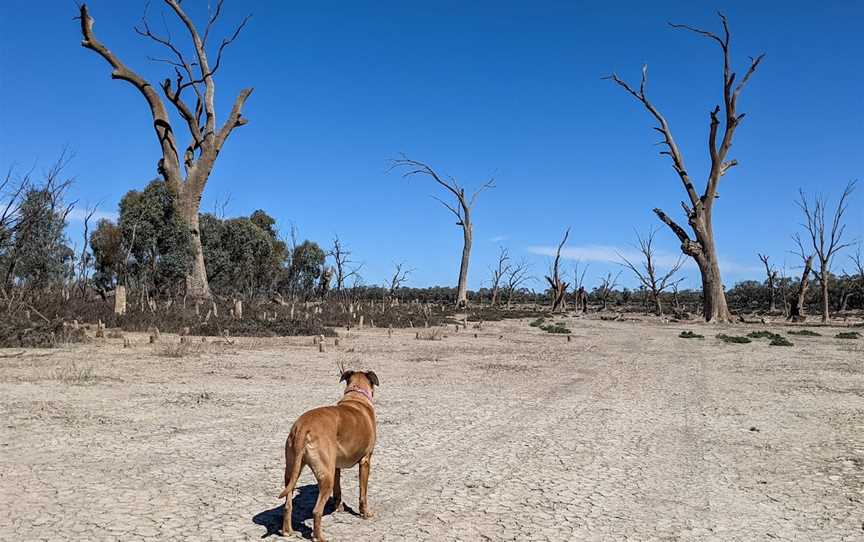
(361, 391)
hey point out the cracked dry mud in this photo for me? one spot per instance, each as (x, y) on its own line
(625, 433)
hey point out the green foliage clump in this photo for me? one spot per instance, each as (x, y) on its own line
(779, 340)
(762, 335)
(307, 263)
(804, 333)
(690, 335)
(241, 255)
(36, 253)
(155, 250)
(539, 322)
(734, 339)
(558, 328)
(848, 335)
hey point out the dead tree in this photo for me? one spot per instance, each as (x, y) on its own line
(186, 176)
(771, 273)
(85, 259)
(826, 239)
(517, 275)
(858, 262)
(462, 210)
(651, 279)
(699, 209)
(556, 281)
(797, 308)
(783, 282)
(498, 273)
(400, 275)
(324, 282)
(676, 302)
(579, 287)
(607, 286)
(344, 266)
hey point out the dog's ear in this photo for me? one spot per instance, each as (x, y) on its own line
(345, 376)
(373, 378)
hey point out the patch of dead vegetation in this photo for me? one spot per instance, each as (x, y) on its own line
(506, 368)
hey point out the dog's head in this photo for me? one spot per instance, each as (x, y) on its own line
(363, 379)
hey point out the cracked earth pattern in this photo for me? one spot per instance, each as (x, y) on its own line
(624, 433)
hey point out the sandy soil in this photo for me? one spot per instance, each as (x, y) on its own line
(626, 432)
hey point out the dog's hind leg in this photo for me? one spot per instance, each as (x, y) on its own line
(325, 478)
(337, 492)
(293, 466)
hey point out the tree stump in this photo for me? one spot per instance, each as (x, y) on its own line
(120, 300)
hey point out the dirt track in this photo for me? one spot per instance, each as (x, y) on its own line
(627, 432)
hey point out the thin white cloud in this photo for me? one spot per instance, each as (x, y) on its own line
(78, 214)
(499, 238)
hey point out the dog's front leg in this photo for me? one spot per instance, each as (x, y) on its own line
(365, 465)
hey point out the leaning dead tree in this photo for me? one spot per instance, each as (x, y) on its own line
(556, 281)
(771, 275)
(185, 175)
(826, 238)
(462, 210)
(699, 208)
(498, 273)
(653, 281)
(400, 275)
(796, 309)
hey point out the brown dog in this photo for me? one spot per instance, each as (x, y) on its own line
(330, 439)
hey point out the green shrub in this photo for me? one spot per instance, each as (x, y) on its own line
(762, 335)
(555, 328)
(848, 335)
(779, 340)
(538, 322)
(690, 335)
(732, 339)
(805, 333)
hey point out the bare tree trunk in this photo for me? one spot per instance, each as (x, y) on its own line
(823, 283)
(197, 286)
(467, 230)
(120, 300)
(714, 307)
(657, 305)
(796, 311)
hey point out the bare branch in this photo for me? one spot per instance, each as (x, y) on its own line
(171, 159)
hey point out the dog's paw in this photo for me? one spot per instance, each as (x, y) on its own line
(339, 507)
(367, 514)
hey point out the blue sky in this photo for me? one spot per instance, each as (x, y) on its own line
(476, 89)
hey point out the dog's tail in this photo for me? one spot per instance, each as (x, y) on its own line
(295, 453)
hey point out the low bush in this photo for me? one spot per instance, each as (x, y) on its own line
(733, 339)
(848, 335)
(558, 328)
(690, 335)
(762, 335)
(779, 340)
(22, 333)
(804, 333)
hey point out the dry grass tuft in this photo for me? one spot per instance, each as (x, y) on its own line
(73, 374)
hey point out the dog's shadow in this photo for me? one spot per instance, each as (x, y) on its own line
(304, 502)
